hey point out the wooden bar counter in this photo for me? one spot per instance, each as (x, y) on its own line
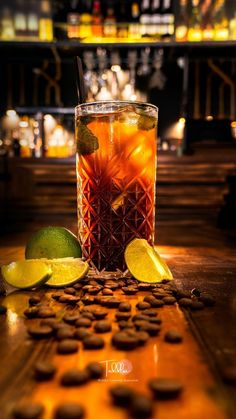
(199, 256)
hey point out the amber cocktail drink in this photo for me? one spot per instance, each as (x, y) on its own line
(116, 173)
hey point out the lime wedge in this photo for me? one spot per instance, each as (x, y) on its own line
(66, 271)
(26, 273)
(144, 263)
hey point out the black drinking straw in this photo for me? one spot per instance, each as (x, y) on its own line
(80, 80)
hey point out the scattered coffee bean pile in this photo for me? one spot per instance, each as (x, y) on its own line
(80, 320)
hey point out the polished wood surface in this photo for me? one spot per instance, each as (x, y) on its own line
(199, 256)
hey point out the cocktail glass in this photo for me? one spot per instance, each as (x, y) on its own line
(116, 176)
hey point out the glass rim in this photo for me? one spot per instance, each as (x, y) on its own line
(128, 102)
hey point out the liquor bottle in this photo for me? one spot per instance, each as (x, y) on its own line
(145, 18)
(221, 23)
(167, 20)
(33, 20)
(45, 22)
(97, 19)
(207, 21)
(134, 27)
(122, 17)
(181, 27)
(85, 19)
(195, 27)
(73, 20)
(7, 25)
(155, 28)
(20, 21)
(110, 28)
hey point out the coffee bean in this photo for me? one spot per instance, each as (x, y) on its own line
(207, 300)
(196, 292)
(81, 333)
(124, 324)
(87, 300)
(173, 337)
(185, 302)
(28, 410)
(141, 407)
(129, 290)
(143, 305)
(69, 411)
(74, 377)
(52, 322)
(157, 303)
(65, 332)
(140, 317)
(183, 294)
(122, 316)
(77, 286)
(149, 313)
(70, 291)
(169, 300)
(100, 315)
(56, 295)
(159, 296)
(67, 346)
(71, 317)
(45, 312)
(112, 303)
(31, 313)
(197, 305)
(155, 320)
(121, 395)
(102, 326)
(107, 291)
(44, 370)
(112, 285)
(124, 307)
(94, 290)
(144, 286)
(150, 328)
(3, 309)
(140, 335)
(40, 332)
(68, 299)
(149, 298)
(164, 388)
(93, 342)
(83, 322)
(121, 340)
(34, 300)
(87, 314)
(95, 370)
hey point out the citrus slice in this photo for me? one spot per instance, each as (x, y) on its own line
(66, 271)
(144, 263)
(26, 273)
(53, 242)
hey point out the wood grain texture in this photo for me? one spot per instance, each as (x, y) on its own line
(199, 256)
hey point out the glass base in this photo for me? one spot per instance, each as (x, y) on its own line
(95, 273)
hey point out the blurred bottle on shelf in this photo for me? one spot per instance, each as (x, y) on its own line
(207, 20)
(122, 18)
(167, 20)
(156, 26)
(134, 27)
(221, 23)
(181, 28)
(232, 28)
(20, 21)
(110, 27)
(45, 22)
(195, 24)
(97, 19)
(33, 20)
(73, 20)
(7, 28)
(145, 18)
(85, 28)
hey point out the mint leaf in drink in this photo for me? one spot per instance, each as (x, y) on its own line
(87, 142)
(146, 122)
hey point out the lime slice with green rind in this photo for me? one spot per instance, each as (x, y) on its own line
(53, 242)
(87, 142)
(66, 271)
(144, 263)
(26, 274)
